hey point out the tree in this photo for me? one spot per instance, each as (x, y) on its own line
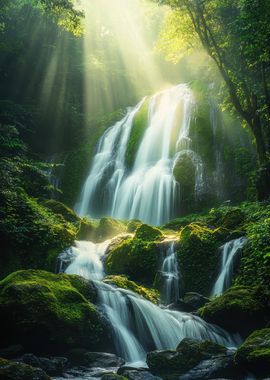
(236, 35)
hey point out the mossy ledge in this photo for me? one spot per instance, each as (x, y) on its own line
(48, 312)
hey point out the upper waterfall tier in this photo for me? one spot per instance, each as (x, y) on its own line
(148, 191)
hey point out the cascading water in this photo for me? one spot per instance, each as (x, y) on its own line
(138, 325)
(170, 275)
(229, 253)
(148, 191)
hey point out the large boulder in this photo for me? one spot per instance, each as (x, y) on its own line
(198, 253)
(189, 353)
(218, 367)
(136, 257)
(254, 353)
(20, 371)
(240, 309)
(48, 312)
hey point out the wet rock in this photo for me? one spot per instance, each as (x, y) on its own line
(112, 376)
(220, 367)
(195, 300)
(20, 371)
(11, 352)
(189, 353)
(254, 353)
(102, 359)
(53, 366)
(133, 373)
(240, 309)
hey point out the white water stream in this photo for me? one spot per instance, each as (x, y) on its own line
(147, 191)
(170, 275)
(229, 253)
(138, 326)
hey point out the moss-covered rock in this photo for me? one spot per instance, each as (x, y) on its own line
(197, 253)
(254, 353)
(124, 283)
(139, 126)
(184, 174)
(136, 257)
(148, 233)
(20, 371)
(240, 309)
(170, 364)
(87, 230)
(133, 225)
(60, 208)
(109, 227)
(44, 311)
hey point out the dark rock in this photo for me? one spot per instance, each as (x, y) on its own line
(189, 353)
(222, 367)
(254, 353)
(180, 305)
(112, 376)
(195, 300)
(20, 371)
(139, 374)
(102, 359)
(11, 352)
(31, 359)
(76, 356)
(53, 366)
(240, 309)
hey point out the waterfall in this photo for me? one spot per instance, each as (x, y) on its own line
(229, 253)
(170, 275)
(148, 191)
(138, 326)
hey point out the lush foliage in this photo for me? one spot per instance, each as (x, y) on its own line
(226, 31)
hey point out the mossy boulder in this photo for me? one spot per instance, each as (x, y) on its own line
(240, 309)
(254, 353)
(133, 225)
(60, 208)
(198, 253)
(124, 283)
(20, 371)
(136, 257)
(148, 233)
(109, 227)
(170, 364)
(44, 311)
(87, 230)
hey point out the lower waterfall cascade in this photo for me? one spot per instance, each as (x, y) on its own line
(138, 326)
(229, 252)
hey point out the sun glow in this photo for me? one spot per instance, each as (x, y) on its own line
(118, 44)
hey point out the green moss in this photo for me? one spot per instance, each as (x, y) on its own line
(254, 353)
(240, 309)
(108, 228)
(59, 208)
(124, 283)
(133, 225)
(38, 306)
(19, 371)
(140, 123)
(198, 253)
(87, 229)
(148, 233)
(136, 257)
